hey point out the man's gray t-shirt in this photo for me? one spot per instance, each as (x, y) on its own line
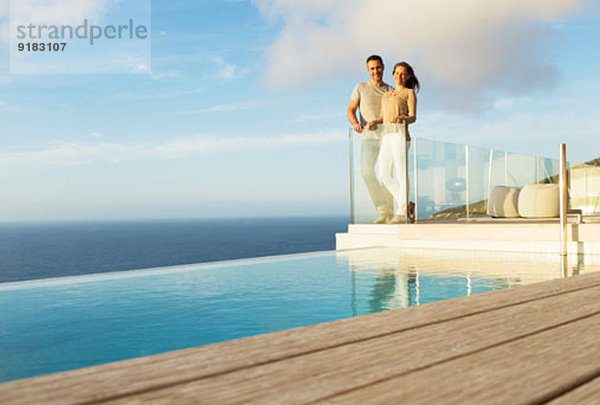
(368, 97)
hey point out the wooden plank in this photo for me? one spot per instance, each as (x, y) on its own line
(532, 369)
(588, 393)
(316, 375)
(313, 376)
(187, 366)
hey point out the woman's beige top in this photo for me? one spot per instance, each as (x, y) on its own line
(393, 104)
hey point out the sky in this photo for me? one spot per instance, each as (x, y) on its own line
(239, 107)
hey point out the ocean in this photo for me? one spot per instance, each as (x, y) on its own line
(43, 250)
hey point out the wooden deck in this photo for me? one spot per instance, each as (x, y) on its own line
(530, 344)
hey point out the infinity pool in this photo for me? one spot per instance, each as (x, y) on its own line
(67, 323)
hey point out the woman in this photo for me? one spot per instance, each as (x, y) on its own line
(400, 107)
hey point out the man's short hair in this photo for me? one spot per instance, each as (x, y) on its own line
(375, 57)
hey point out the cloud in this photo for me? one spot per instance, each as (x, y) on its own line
(220, 108)
(158, 96)
(524, 124)
(5, 106)
(60, 11)
(166, 75)
(57, 12)
(4, 22)
(318, 117)
(76, 153)
(126, 63)
(464, 50)
(227, 71)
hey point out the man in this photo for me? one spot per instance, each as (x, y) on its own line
(366, 97)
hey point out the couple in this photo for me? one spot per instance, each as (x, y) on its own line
(379, 103)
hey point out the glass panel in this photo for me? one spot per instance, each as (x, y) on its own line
(363, 209)
(479, 162)
(446, 184)
(521, 170)
(442, 182)
(497, 169)
(584, 188)
(549, 170)
(366, 187)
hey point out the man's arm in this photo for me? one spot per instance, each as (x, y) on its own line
(352, 116)
(373, 124)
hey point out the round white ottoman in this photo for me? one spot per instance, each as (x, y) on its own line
(503, 201)
(539, 201)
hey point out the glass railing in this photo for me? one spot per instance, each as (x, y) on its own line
(584, 187)
(445, 180)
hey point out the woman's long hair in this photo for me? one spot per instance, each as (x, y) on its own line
(411, 82)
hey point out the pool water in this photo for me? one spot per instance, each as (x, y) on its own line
(66, 323)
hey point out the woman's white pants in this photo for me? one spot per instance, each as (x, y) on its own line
(392, 160)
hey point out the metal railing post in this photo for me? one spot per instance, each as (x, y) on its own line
(489, 178)
(564, 266)
(563, 198)
(467, 178)
(351, 163)
(406, 178)
(416, 179)
(506, 168)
